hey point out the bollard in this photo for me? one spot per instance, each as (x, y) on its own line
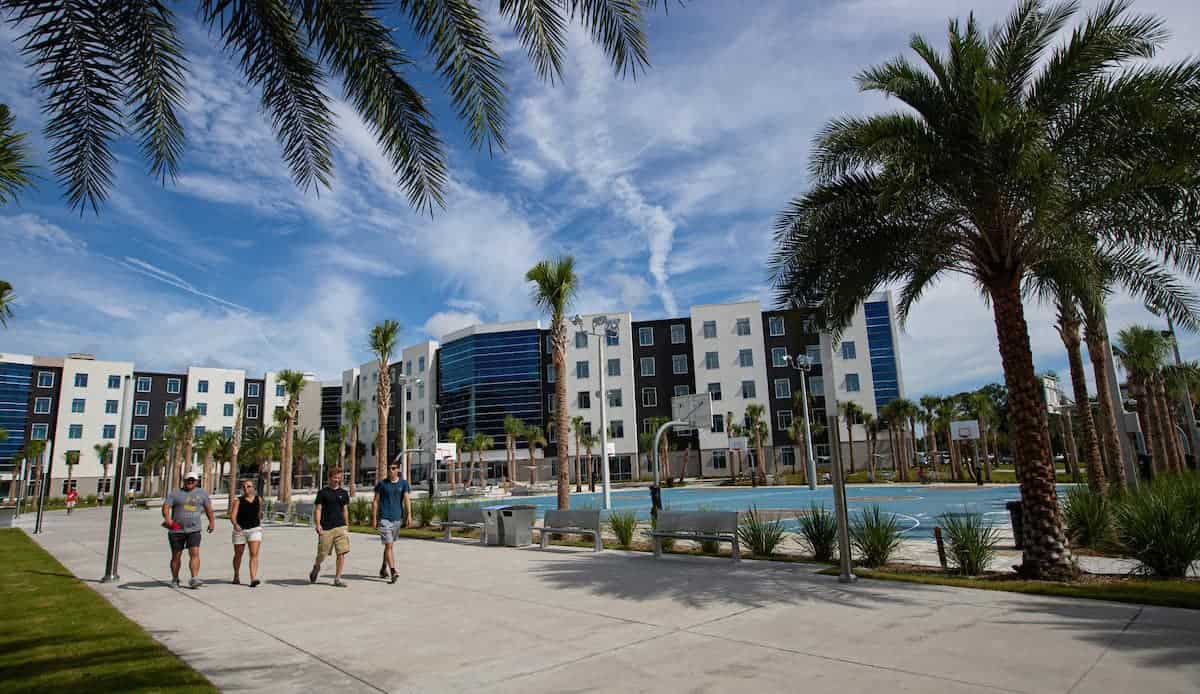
(937, 535)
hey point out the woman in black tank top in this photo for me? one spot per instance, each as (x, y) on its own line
(246, 516)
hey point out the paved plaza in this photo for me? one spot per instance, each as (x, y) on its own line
(470, 618)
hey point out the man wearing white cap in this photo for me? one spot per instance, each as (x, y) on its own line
(181, 518)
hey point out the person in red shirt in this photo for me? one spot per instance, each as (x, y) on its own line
(72, 497)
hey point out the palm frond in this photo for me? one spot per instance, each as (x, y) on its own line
(541, 29)
(616, 25)
(1018, 44)
(153, 68)
(555, 284)
(15, 170)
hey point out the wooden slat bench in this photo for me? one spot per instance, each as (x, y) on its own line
(584, 523)
(697, 526)
(470, 518)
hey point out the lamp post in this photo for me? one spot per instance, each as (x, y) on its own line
(116, 519)
(602, 327)
(405, 382)
(802, 363)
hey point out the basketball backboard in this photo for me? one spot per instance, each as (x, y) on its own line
(695, 409)
(966, 430)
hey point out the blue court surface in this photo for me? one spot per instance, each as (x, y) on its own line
(916, 506)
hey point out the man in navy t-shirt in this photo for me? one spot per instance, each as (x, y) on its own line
(390, 511)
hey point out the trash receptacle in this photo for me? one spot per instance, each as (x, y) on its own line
(491, 525)
(1014, 515)
(7, 515)
(516, 525)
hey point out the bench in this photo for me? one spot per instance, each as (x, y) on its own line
(144, 503)
(470, 518)
(584, 523)
(698, 526)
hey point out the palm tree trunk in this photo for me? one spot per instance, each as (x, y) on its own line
(578, 467)
(1145, 415)
(1069, 331)
(354, 461)
(1170, 417)
(1046, 552)
(850, 438)
(1072, 450)
(1110, 437)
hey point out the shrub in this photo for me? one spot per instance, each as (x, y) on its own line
(360, 512)
(1088, 517)
(818, 528)
(623, 524)
(424, 511)
(762, 536)
(441, 510)
(1156, 526)
(876, 536)
(972, 542)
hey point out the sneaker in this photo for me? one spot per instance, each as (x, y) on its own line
(394, 577)
(383, 571)
(254, 583)
(338, 582)
(175, 582)
(195, 583)
(312, 575)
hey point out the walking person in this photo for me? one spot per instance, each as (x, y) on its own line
(181, 517)
(246, 516)
(390, 511)
(332, 534)
(72, 499)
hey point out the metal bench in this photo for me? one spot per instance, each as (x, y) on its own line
(585, 523)
(144, 502)
(698, 526)
(470, 518)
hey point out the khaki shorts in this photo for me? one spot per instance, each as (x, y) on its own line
(330, 541)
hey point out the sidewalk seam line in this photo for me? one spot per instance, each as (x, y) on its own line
(1107, 647)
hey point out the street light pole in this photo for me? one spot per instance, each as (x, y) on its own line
(605, 326)
(802, 363)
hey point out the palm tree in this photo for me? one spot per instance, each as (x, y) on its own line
(536, 438)
(32, 453)
(577, 429)
(306, 446)
(223, 455)
(984, 411)
(754, 416)
(185, 428)
(235, 447)
(645, 446)
(946, 412)
(260, 445)
(980, 178)
(72, 459)
(15, 170)
(459, 438)
(6, 297)
(130, 69)
(871, 426)
(851, 413)
(206, 448)
(342, 432)
(352, 410)
(890, 416)
(156, 463)
(555, 285)
(475, 446)
(513, 429)
(382, 343)
(293, 385)
(104, 453)
(907, 413)
(1143, 352)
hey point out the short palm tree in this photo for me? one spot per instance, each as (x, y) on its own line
(535, 438)
(104, 452)
(851, 413)
(514, 429)
(342, 432)
(577, 430)
(6, 302)
(1013, 155)
(306, 446)
(72, 459)
(588, 441)
(555, 285)
(261, 445)
(32, 453)
(293, 385)
(15, 170)
(480, 444)
(235, 447)
(185, 428)
(1143, 352)
(458, 437)
(352, 410)
(382, 342)
(754, 417)
(130, 69)
(207, 447)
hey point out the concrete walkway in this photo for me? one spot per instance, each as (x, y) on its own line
(470, 618)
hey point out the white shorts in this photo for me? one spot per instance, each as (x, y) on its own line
(241, 537)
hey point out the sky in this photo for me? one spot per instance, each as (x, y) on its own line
(664, 188)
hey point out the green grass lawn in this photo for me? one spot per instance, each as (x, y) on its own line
(1141, 591)
(58, 635)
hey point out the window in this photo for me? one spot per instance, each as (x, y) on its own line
(408, 393)
(614, 398)
(114, 381)
(587, 428)
(420, 416)
(814, 353)
(227, 431)
(649, 397)
(788, 456)
(549, 345)
(75, 431)
(710, 329)
(745, 357)
(198, 431)
(421, 364)
(109, 431)
(41, 406)
(143, 384)
(775, 326)
(408, 416)
(647, 366)
(779, 356)
(252, 390)
(848, 350)
(581, 369)
(39, 432)
(110, 407)
(408, 368)
(551, 374)
(202, 408)
(550, 403)
(77, 405)
(714, 391)
(580, 340)
(783, 389)
(81, 380)
(614, 367)
(230, 387)
(712, 361)
(612, 338)
(784, 419)
(616, 428)
(202, 386)
(173, 386)
(141, 408)
(280, 391)
(852, 385)
(227, 410)
(748, 391)
(678, 333)
(679, 363)
(743, 326)
(718, 460)
(584, 400)
(139, 432)
(420, 391)
(251, 411)
(172, 408)
(816, 386)
(45, 379)
(682, 389)
(68, 485)
(646, 336)
(718, 424)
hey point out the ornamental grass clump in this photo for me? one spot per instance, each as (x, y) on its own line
(1157, 526)
(360, 512)
(1088, 516)
(425, 511)
(818, 528)
(758, 533)
(875, 536)
(972, 542)
(623, 524)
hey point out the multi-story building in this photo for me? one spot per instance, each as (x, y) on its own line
(214, 394)
(90, 412)
(664, 366)
(156, 397)
(16, 384)
(331, 409)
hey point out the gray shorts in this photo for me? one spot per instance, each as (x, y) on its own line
(389, 530)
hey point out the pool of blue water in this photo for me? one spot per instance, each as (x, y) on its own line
(917, 507)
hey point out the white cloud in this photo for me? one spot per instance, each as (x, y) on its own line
(346, 259)
(445, 322)
(30, 228)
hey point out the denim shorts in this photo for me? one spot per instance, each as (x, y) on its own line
(389, 530)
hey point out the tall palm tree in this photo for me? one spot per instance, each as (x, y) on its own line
(15, 170)
(536, 438)
(155, 465)
(261, 445)
(32, 453)
(908, 413)
(946, 412)
(890, 417)
(352, 410)
(851, 413)
(555, 286)
(185, 428)
(293, 385)
(130, 68)
(978, 179)
(577, 430)
(514, 428)
(6, 302)
(207, 447)
(754, 417)
(104, 453)
(871, 425)
(984, 411)
(223, 455)
(383, 343)
(306, 446)
(342, 432)
(72, 459)
(1143, 352)
(458, 437)
(588, 441)
(482, 443)
(235, 446)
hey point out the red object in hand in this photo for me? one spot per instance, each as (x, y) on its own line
(176, 526)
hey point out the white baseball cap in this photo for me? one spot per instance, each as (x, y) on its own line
(191, 476)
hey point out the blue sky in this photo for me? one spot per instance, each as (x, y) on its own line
(664, 189)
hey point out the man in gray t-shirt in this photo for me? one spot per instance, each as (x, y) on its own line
(181, 517)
